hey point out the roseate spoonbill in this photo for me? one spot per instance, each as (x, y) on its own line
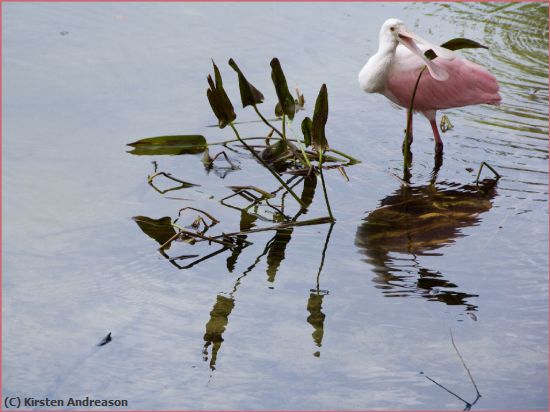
(449, 81)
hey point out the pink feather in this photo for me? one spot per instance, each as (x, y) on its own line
(467, 84)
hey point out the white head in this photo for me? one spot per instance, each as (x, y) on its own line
(389, 32)
(394, 32)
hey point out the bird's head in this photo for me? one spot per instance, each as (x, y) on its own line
(389, 33)
(394, 32)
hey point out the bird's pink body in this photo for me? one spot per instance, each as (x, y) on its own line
(447, 81)
(467, 84)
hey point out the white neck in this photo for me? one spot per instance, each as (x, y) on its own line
(373, 76)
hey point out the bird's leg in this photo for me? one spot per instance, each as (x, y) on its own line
(437, 137)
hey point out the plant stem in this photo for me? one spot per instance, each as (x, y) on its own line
(267, 122)
(273, 172)
(304, 155)
(411, 106)
(284, 127)
(497, 176)
(316, 221)
(324, 187)
(408, 131)
(184, 231)
(224, 142)
(242, 138)
(464, 364)
(323, 255)
(350, 158)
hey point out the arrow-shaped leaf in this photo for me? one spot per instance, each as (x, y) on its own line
(281, 88)
(320, 116)
(462, 43)
(218, 99)
(250, 96)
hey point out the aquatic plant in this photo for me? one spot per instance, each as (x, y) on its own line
(304, 159)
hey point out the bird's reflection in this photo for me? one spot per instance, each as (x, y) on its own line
(416, 221)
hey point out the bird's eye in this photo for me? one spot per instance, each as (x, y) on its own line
(392, 28)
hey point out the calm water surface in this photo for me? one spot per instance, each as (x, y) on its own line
(266, 328)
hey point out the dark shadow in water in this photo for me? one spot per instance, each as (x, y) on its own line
(417, 221)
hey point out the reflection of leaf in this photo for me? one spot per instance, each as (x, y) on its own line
(316, 317)
(281, 88)
(247, 221)
(250, 96)
(218, 99)
(231, 261)
(159, 229)
(462, 43)
(169, 145)
(320, 116)
(276, 252)
(219, 317)
(310, 182)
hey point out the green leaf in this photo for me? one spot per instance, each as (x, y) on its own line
(250, 96)
(320, 116)
(281, 88)
(169, 145)
(217, 76)
(160, 230)
(306, 130)
(430, 54)
(218, 99)
(462, 43)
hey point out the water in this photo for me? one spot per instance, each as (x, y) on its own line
(266, 328)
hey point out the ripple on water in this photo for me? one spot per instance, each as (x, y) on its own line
(517, 36)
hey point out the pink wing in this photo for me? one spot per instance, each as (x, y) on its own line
(467, 84)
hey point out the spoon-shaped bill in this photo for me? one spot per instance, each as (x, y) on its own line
(409, 40)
